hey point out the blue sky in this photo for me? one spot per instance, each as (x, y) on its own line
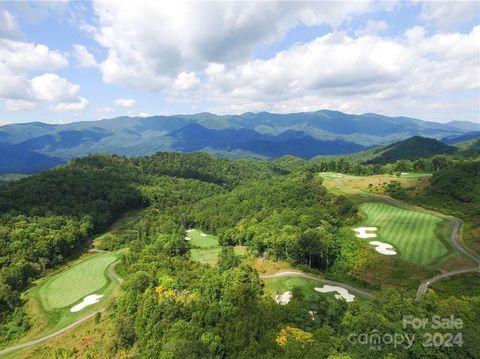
(71, 61)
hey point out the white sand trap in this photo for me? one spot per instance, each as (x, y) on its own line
(188, 238)
(203, 234)
(384, 248)
(88, 300)
(284, 298)
(362, 232)
(190, 230)
(342, 292)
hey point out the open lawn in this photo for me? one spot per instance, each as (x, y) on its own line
(205, 249)
(209, 255)
(418, 237)
(50, 300)
(72, 285)
(350, 184)
(199, 241)
(280, 285)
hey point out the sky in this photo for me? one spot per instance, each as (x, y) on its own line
(73, 61)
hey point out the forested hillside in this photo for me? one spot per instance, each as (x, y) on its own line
(173, 306)
(411, 149)
(46, 219)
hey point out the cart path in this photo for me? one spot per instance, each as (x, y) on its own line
(454, 240)
(111, 272)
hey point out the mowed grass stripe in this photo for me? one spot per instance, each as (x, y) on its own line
(75, 283)
(414, 231)
(411, 232)
(419, 230)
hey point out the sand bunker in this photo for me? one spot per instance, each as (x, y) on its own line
(362, 232)
(342, 292)
(284, 298)
(88, 300)
(188, 238)
(203, 234)
(384, 248)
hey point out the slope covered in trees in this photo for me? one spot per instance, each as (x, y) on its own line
(411, 149)
(171, 306)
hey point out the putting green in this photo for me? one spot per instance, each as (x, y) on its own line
(419, 237)
(199, 241)
(282, 284)
(73, 284)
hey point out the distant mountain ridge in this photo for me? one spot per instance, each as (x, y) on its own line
(263, 135)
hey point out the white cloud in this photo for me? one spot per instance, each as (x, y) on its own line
(447, 15)
(46, 88)
(125, 102)
(18, 56)
(20, 105)
(76, 106)
(150, 44)
(53, 88)
(9, 27)
(372, 28)
(84, 57)
(185, 81)
(352, 74)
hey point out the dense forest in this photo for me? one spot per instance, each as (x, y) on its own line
(170, 306)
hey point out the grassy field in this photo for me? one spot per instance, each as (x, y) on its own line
(199, 241)
(74, 284)
(205, 249)
(280, 285)
(419, 237)
(49, 301)
(350, 184)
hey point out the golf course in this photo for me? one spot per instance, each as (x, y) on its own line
(419, 237)
(204, 247)
(61, 300)
(72, 285)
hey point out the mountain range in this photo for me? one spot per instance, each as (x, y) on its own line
(32, 147)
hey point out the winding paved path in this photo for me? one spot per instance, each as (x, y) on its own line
(457, 224)
(422, 289)
(316, 277)
(111, 272)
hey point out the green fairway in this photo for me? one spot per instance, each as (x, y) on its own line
(419, 237)
(73, 284)
(205, 249)
(282, 284)
(199, 241)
